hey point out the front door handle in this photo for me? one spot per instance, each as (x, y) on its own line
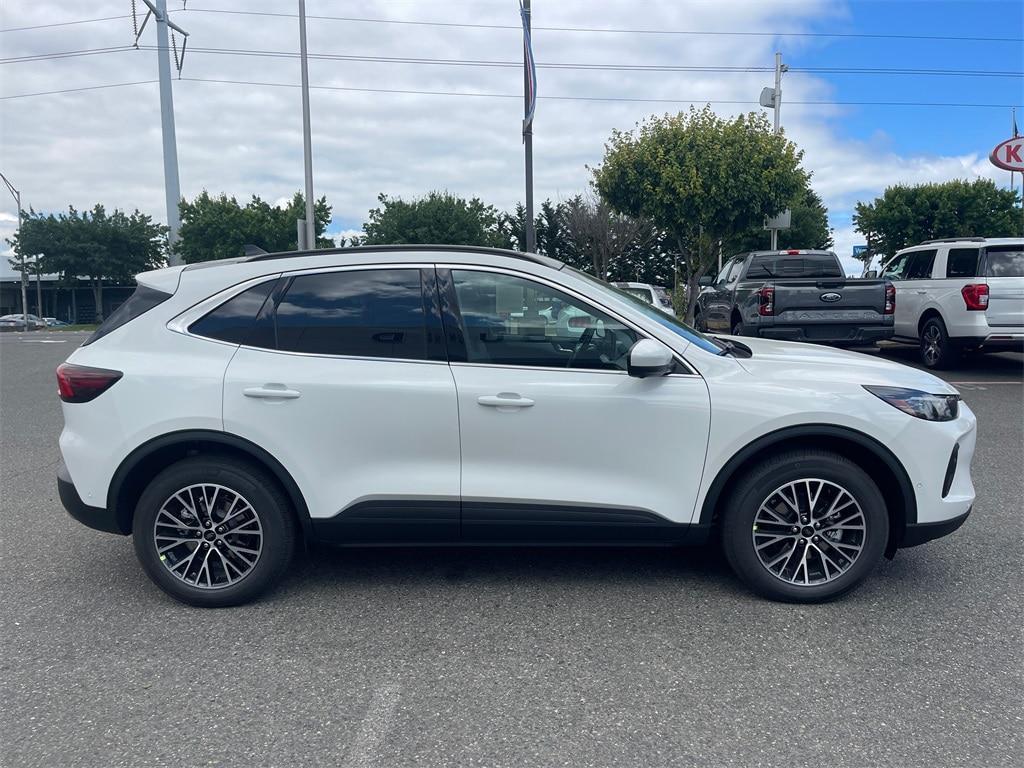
(505, 400)
(272, 392)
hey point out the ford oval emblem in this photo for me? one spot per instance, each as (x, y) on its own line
(831, 297)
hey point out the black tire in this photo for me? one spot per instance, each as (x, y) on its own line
(269, 506)
(698, 322)
(756, 488)
(937, 351)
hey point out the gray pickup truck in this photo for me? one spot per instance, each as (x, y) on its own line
(796, 295)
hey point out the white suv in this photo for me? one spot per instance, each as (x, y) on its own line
(959, 294)
(425, 394)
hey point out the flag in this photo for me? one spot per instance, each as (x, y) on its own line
(1016, 133)
(531, 70)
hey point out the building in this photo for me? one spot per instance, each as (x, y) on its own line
(71, 303)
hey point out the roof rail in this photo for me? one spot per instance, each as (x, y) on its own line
(534, 257)
(954, 240)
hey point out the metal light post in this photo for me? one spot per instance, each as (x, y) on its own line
(24, 298)
(772, 97)
(307, 140)
(529, 105)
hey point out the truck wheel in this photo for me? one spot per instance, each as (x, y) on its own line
(937, 351)
(698, 322)
(738, 329)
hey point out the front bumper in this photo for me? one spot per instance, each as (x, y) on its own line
(98, 518)
(919, 533)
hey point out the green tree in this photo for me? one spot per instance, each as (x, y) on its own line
(907, 215)
(613, 246)
(700, 179)
(92, 245)
(809, 228)
(220, 228)
(439, 217)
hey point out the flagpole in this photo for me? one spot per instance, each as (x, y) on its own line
(529, 102)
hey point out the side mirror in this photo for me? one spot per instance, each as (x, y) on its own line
(706, 281)
(871, 273)
(649, 358)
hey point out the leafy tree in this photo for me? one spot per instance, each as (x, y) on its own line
(700, 178)
(616, 246)
(93, 245)
(907, 215)
(809, 228)
(439, 217)
(220, 228)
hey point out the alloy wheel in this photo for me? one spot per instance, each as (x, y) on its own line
(809, 532)
(208, 536)
(931, 344)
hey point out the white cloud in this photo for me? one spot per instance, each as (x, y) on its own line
(105, 145)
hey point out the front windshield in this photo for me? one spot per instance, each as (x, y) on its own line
(671, 322)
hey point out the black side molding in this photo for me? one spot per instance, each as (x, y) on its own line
(98, 518)
(920, 533)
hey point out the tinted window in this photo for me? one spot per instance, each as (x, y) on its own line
(805, 265)
(365, 313)
(1004, 261)
(962, 262)
(234, 319)
(896, 268)
(919, 266)
(142, 300)
(508, 320)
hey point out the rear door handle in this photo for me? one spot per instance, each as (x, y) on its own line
(505, 400)
(272, 392)
(923, 293)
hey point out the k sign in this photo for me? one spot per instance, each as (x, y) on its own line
(1009, 155)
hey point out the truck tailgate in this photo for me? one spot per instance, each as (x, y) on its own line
(829, 300)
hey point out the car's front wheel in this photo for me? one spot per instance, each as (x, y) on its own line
(805, 526)
(213, 531)
(937, 351)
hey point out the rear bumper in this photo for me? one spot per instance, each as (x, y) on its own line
(98, 518)
(919, 533)
(826, 334)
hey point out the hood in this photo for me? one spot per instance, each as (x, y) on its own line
(793, 361)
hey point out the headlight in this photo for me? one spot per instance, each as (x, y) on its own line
(921, 405)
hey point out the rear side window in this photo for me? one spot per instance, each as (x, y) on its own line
(782, 265)
(919, 266)
(142, 300)
(233, 320)
(1004, 261)
(362, 313)
(962, 262)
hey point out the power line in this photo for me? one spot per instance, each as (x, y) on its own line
(463, 25)
(76, 90)
(544, 65)
(65, 23)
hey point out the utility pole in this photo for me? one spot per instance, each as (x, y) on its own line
(307, 140)
(172, 188)
(772, 97)
(21, 252)
(529, 106)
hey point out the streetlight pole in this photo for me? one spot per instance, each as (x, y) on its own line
(307, 139)
(21, 250)
(530, 101)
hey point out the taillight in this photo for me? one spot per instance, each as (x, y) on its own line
(890, 299)
(766, 301)
(81, 383)
(975, 297)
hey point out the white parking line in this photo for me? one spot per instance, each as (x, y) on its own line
(986, 383)
(376, 725)
(43, 341)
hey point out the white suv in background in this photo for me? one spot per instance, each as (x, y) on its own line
(959, 294)
(419, 394)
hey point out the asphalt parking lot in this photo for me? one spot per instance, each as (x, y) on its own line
(506, 657)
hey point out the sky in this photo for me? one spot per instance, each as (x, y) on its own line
(104, 144)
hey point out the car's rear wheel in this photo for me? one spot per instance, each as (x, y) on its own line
(805, 526)
(213, 531)
(937, 351)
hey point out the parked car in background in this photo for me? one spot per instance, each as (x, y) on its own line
(656, 295)
(959, 294)
(412, 394)
(18, 323)
(53, 322)
(795, 295)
